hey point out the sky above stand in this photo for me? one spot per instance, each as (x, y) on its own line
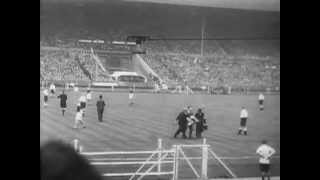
(265, 5)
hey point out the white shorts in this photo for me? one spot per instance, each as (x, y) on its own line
(130, 96)
(77, 121)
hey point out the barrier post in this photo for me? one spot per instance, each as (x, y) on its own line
(204, 168)
(159, 154)
(176, 162)
(76, 145)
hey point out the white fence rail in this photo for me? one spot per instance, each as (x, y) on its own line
(161, 156)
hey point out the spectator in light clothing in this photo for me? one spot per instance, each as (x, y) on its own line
(243, 121)
(265, 151)
(100, 108)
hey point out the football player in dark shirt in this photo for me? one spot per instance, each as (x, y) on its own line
(182, 122)
(201, 123)
(63, 102)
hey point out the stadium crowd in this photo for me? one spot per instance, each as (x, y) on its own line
(59, 65)
(176, 62)
(215, 71)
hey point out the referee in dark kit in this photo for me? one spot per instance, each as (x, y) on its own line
(63, 102)
(100, 108)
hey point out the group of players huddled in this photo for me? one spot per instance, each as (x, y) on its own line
(187, 120)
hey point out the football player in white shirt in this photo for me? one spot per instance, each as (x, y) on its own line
(75, 88)
(83, 102)
(78, 118)
(156, 88)
(52, 88)
(243, 121)
(261, 99)
(89, 95)
(265, 152)
(131, 95)
(191, 120)
(45, 97)
(76, 146)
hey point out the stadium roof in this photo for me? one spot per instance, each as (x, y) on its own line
(265, 5)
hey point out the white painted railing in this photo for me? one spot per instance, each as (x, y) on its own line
(161, 156)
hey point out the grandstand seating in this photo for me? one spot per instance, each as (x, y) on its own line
(174, 68)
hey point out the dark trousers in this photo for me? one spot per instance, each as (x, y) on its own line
(190, 131)
(199, 129)
(100, 114)
(182, 130)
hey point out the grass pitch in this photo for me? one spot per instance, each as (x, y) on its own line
(153, 116)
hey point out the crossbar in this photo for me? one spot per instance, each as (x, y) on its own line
(193, 145)
(141, 173)
(126, 152)
(128, 163)
(172, 158)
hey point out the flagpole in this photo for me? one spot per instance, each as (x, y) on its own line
(202, 34)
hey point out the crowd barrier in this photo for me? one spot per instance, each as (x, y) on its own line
(153, 165)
